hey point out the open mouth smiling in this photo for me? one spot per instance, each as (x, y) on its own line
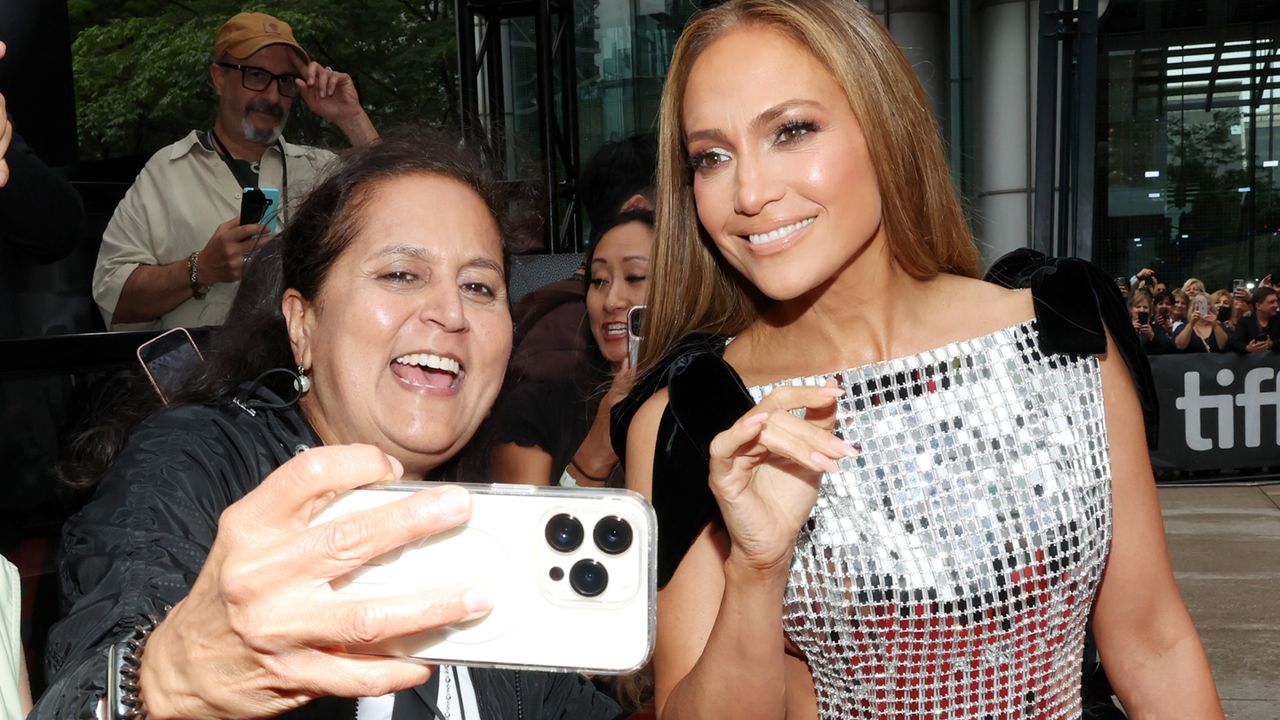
(428, 371)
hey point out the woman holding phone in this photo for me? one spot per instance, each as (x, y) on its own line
(369, 349)
(558, 433)
(1150, 334)
(872, 509)
(1202, 332)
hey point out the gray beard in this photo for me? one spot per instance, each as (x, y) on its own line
(262, 137)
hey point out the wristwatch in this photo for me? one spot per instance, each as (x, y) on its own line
(198, 291)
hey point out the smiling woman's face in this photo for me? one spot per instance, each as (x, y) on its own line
(783, 181)
(619, 275)
(409, 338)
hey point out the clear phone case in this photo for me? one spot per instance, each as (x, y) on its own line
(572, 574)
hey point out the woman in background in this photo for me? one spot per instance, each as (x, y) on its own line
(558, 433)
(1202, 332)
(1150, 334)
(1222, 308)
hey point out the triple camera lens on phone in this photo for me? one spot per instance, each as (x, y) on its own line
(612, 535)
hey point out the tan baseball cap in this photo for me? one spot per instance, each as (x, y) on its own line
(247, 33)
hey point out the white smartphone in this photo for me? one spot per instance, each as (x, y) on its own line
(571, 572)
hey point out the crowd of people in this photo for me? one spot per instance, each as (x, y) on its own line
(866, 508)
(1191, 320)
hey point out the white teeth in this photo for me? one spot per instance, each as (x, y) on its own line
(435, 362)
(615, 327)
(779, 233)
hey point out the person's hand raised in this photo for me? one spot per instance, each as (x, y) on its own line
(329, 93)
(262, 631)
(765, 470)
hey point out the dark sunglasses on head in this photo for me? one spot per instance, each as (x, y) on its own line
(258, 79)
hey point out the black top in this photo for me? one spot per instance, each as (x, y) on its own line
(1197, 344)
(1249, 329)
(1076, 304)
(139, 545)
(553, 416)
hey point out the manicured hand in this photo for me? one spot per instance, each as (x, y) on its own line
(765, 471)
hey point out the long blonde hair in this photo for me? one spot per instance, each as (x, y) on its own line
(692, 288)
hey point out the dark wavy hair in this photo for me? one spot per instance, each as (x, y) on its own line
(255, 339)
(614, 172)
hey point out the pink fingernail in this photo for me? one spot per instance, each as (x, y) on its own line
(396, 467)
(832, 391)
(823, 462)
(756, 419)
(477, 601)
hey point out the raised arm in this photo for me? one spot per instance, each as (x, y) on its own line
(1220, 337)
(1183, 338)
(332, 95)
(1148, 644)
(721, 650)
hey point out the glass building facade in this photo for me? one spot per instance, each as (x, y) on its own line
(1189, 155)
(1186, 162)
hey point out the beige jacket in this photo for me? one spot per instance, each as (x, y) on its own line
(183, 194)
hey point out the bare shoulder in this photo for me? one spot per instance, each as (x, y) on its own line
(976, 307)
(642, 439)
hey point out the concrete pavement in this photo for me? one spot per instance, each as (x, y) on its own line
(1225, 545)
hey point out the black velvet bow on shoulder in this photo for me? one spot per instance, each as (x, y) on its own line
(1076, 306)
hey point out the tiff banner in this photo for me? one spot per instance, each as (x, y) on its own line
(1218, 411)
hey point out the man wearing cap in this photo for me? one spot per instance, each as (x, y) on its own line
(174, 250)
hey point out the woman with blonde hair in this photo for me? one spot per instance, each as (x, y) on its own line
(1221, 303)
(875, 509)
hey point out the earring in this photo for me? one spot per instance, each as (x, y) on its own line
(302, 383)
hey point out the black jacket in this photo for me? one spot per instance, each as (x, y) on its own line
(1249, 330)
(139, 545)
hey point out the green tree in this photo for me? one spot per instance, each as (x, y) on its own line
(142, 66)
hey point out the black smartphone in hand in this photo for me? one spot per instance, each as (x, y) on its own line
(253, 205)
(1144, 317)
(1224, 313)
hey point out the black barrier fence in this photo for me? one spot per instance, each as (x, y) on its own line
(1218, 412)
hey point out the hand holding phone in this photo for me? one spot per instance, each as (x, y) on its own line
(260, 206)
(257, 633)
(571, 575)
(223, 257)
(635, 331)
(1144, 317)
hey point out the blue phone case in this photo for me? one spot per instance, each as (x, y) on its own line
(270, 215)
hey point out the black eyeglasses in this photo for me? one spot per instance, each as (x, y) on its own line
(258, 79)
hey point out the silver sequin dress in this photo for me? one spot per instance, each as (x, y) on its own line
(949, 570)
